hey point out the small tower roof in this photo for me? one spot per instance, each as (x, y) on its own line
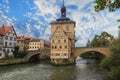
(63, 17)
(63, 10)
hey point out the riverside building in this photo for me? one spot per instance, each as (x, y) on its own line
(62, 39)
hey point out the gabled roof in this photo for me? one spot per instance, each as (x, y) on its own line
(4, 30)
(61, 30)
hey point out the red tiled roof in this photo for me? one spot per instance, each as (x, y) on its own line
(4, 29)
(1, 31)
(35, 40)
(20, 38)
(24, 38)
(46, 43)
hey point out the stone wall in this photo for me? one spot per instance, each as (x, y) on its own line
(12, 61)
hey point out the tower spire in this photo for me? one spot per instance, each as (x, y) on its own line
(63, 2)
(63, 10)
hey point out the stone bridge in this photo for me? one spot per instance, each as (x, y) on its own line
(82, 50)
(41, 54)
(45, 53)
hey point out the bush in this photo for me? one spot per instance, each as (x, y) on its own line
(22, 54)
(15, 52)
(112, 63)
(19, 54)
(115, 73)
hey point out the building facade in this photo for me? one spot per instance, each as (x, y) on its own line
(23, 42)
(62, 39)
(8, 40)
(36, 44)
(1, 46)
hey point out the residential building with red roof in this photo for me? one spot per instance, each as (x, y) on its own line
(23, 42)
(7, 41)
(30, 43)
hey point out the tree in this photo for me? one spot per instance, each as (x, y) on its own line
(112, 63)
(95, 42)
(88, 44)
(112, 5)
(19, 54)
(102, 40)
(119, 32)
(16, 50)
(118, 20)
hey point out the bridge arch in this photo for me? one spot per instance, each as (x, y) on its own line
(92, 51)
(92, 55)
(33, 57)
(38, 54)
(101, 50)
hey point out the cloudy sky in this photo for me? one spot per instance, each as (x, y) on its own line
(33, 17)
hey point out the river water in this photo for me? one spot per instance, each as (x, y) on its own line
(45, 71)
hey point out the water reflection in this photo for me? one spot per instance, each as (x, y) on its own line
(44, 71)
(64, 73)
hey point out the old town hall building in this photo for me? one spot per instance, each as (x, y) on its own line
(62, 39)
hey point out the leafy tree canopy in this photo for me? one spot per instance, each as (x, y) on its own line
(102, 40)
(112, 5)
